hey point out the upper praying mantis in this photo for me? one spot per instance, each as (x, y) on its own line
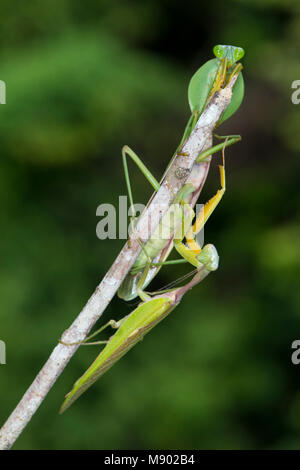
(209, 78)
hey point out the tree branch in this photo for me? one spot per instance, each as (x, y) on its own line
(181, 170)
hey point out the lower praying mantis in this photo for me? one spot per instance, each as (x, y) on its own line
(134, 326)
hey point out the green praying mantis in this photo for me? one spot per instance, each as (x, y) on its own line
(178, 219)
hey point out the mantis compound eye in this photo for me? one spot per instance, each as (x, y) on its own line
(238, 53)
(218, 51)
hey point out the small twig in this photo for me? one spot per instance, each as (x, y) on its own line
(180, 171)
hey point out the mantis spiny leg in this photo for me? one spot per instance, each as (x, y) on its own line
(193, 253)
(114, 324)
(207, 209)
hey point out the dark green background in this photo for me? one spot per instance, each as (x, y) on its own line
(83, 79)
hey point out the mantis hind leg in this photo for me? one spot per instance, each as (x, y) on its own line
(152, 180)
(84, 342)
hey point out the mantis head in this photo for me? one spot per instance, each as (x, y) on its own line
(232, 53)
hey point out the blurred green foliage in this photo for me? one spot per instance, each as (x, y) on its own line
(84, 78)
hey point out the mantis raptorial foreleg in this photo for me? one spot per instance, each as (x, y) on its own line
(192, 252)
(220, 78)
